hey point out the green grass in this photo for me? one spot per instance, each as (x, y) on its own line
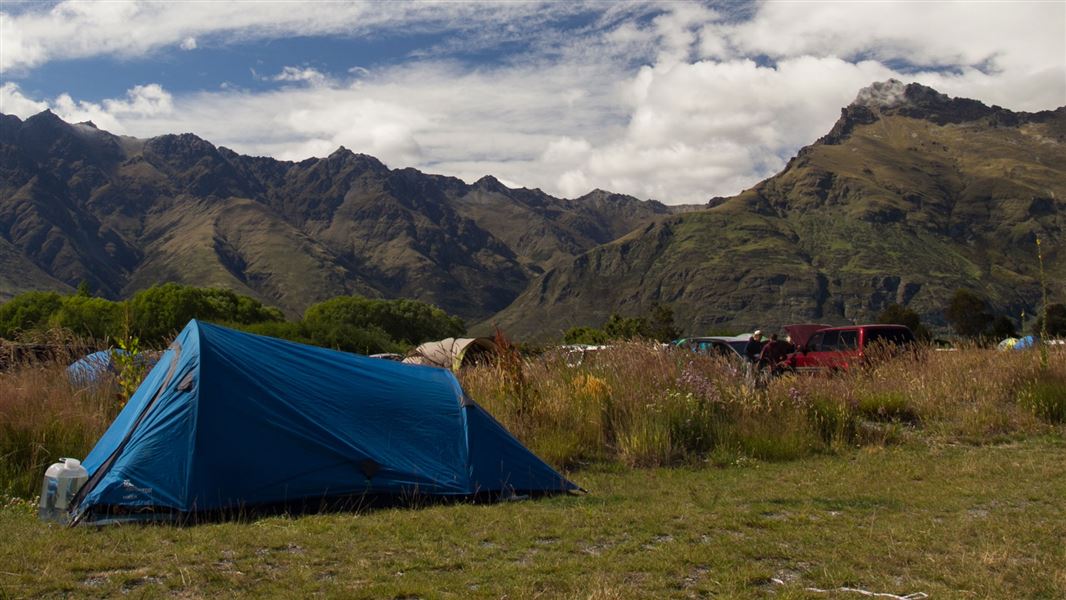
(952, 521)
(1046, 397)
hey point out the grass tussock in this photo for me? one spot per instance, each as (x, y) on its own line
(43, 417)
(1045, 396)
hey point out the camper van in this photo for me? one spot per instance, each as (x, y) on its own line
(840, 348)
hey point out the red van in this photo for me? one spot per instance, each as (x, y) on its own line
(839, 348)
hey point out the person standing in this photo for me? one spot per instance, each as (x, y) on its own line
(773, 353)
(754, 347)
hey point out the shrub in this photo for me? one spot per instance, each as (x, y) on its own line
(90, 317)
(834, 419)
(886, 406)
(162, 310)
(585, 335)
(404, 321)
(1046, 397)
(27, 311)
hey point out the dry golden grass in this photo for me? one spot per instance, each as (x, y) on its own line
(646, 405)
(44, 417)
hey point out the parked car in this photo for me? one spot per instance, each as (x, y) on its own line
(729, 346)
(840, 348)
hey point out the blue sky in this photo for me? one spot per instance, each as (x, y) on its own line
(677, 101)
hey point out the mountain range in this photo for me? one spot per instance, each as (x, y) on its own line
(80, 204)
(911, 195)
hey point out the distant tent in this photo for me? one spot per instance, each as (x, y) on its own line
(89, 369)
(229, 420)
(1023, 343)
(452, 353)
(1007, 343)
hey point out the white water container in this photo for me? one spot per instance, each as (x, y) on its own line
(62, 481)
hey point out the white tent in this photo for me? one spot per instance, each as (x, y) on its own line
(452, 353)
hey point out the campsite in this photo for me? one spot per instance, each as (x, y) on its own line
(909, 476)
(534, 299)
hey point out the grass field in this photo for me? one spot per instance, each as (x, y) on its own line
(943, 473)
(953, 521)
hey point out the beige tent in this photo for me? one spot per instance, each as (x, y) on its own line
(452, 353)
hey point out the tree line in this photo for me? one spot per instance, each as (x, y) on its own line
(156, 314)
(365, 325)
(971, 316)
(657, 324)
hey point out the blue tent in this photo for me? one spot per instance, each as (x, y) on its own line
(229, 420)
(90, 368)
(1026, 342)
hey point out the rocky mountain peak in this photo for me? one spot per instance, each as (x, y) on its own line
(363, 162)
(45, 122)
(914, 100)
(490, 183)
(882, 94)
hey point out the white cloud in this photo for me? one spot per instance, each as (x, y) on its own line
(1012, 43)
(119, 115)
(717, 105)
(188, 43)
(13, 102)
(301, 74)
(75, 29)
(142, 101)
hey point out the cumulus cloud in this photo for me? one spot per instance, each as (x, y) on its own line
(140, 103)
(13, 102)
(678, 104)
(188, 43)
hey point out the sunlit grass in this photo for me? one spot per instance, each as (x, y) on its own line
(645, 405)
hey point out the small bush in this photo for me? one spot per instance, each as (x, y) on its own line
(773, 439)
(834, 419)
(1046, 397)
(890, 406)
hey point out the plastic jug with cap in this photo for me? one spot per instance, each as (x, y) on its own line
(62, 481)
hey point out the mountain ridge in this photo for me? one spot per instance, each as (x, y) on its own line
(121, 213)
(911, 195)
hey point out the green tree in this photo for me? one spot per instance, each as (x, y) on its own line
(585, 335)
(162, 310)
(30, 310)
(895, 314)
(1056, 321)
(294, 331)
(661, 325)
(351, 338)
(1002, 327)
(618, 327)
(404, 321)
(87, 316)
(968, 314)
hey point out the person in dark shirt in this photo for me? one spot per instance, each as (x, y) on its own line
(754, 346)
(773, 353)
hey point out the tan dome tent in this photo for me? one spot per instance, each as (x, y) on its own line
(452, 353)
